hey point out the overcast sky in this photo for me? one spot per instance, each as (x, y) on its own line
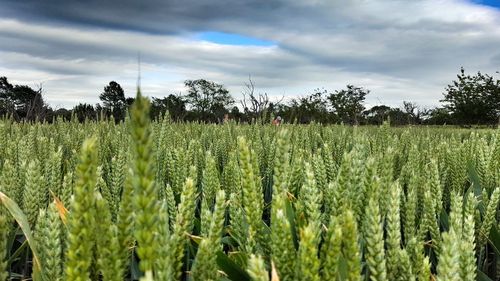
(399, 49)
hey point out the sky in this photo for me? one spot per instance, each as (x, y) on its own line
(398, 49)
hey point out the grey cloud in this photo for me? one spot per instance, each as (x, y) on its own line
(401, 49)
(495, 61)
(155, 16)
(116, 46)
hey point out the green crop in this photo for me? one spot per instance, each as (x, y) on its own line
(160, 200)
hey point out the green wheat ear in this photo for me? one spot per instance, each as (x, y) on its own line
(393, 228)
(108, 248)
(307, 261)
(331, 251)
(257, 269)
(375, 254)
(146, 191)
(489, 217)
(35, 193)
(81, 221)
(162, 239)
(210, 180)
(404, 269)
(310, 199)
(350, 247)
(49, 243)
(252, 195)
(183, 224)
(205, 265)
(126, 220)
(282, 246)
(468, 243)
(449, 258)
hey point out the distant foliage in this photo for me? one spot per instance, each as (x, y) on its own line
(474, 99)
(113, 100)
(22, 102)
(84, 111)
(471, 100)
(208, 99)
(348, 105)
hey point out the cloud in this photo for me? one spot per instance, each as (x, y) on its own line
(401, 50)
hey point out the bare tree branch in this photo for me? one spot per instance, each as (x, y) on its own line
(253, 103)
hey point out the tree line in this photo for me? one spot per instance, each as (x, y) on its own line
(468, 100)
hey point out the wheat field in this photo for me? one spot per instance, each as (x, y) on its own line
(142, 200)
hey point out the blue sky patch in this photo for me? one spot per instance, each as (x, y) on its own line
(492, 3)
(232, 39)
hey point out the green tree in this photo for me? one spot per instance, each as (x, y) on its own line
(113, 99)
(6, 103)
(377, 114)
(84, 111)
(22, 101)
(209, 99)
(348, 104)
(439, 116)
(414, 113)
(312, 107)
(236, 114)
(174, 104)
(473, 99)
(33, 106)
(5, 88)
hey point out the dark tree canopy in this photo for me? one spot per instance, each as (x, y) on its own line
(440, 116)
(5, 88)
(209, 99)
(310, 108)
(84, 111)
(474, 99)
(471, 99)
(6, 92)
(129, 101)
(113, 99)
(113, 96)
(377, 114)
(22, 101)
(414, 113)
(348, 103)
(175, 105)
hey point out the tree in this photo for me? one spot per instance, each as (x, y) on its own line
(62, 113)
(209, 99)
(256, 105)
(348, 104)
(34, 106)
(398, 117)
(473, 99)
(23, 96)
(174, 104)
(305, 109)
(6, 91)
(5, 88)
(129, 101)
(236, 114)
(312, 107)
(113, 99)
(439, 116)
(414, 113)
(377, 114)
(22, 101)
(84, 111)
